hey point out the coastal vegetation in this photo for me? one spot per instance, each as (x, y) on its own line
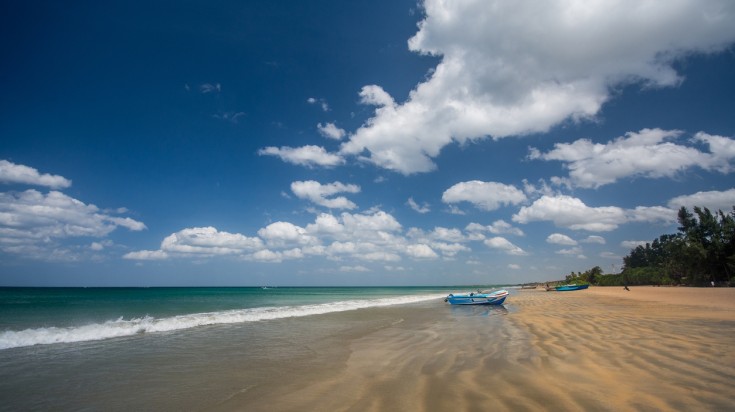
(701, 252)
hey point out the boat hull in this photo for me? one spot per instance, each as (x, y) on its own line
(567, 288)
(495, 298)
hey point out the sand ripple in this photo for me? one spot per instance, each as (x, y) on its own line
(574, 351)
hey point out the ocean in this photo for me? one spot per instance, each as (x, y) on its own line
(183, 348)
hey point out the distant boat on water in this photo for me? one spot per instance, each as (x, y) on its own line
(528, 287)
(479, 298)
(566, 288)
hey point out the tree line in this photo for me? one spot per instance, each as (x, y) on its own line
(701, 252)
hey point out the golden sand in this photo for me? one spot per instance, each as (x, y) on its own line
(658, 349)
(650, 348)
(722, 300)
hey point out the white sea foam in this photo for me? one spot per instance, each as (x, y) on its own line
(122, 327)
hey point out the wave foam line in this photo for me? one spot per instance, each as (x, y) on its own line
(121, 327)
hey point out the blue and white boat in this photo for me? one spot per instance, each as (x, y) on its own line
(479, 298)
(565, 288)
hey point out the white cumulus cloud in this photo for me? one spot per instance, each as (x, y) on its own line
(484, 195)
(572, 213)
(32, 222)
(376, 96)
(15, 173)
(285, 233)
(504, 245)
(320, 194)
(423, 208)
(209, 241)
(146, 255)
(499, 227)
(309, 155)
(371, 236)
(594, 239)
(650, 153)
(713, 200)
(421, 251)
(331, 131)
(559, 239)
(514, 67)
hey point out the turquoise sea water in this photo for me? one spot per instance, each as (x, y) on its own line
(33, 316)
(185, 348)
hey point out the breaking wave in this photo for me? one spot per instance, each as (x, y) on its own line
(129, 327)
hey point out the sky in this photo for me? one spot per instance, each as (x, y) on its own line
(373, 143)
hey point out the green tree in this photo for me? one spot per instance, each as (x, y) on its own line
(593, 275)
(702, 251)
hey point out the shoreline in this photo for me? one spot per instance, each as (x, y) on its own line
(598, 349)
(650, 348)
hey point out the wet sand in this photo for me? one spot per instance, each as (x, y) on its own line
(598, 349)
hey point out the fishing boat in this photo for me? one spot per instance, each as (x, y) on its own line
(478, 298)
(565, 288)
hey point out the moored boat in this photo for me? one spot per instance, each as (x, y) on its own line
(565, 288)
(479, 298)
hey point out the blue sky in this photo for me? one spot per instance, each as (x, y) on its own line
(355, 143)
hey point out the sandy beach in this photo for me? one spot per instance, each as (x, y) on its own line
(598, 349)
